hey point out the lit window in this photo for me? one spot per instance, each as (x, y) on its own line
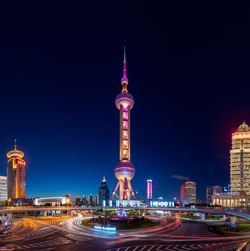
(125, 107)
(125, 134)
(125, 144)
(125, 124)
(125, 115)
(125, 154)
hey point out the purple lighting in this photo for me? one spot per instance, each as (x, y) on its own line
(149, 189)
(124, 78)
(124, 170)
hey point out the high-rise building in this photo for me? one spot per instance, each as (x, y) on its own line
(84, 200)
(149, 190)
(124, 169)
(97, 201)
(188, 192)
(104, 192)
(78, 201)
(16, 174)
(190, 189)
(3, 188)
(240, 160)
(212, 190)
(90, 200)
(182, 193)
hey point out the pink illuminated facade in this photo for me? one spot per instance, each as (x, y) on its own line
(149, 190)
(124, 170)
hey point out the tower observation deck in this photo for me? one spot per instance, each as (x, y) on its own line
(16, 174)
(124, 169)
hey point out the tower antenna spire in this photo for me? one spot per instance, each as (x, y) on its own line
(15, 144)
(124, 81)
(124, 54)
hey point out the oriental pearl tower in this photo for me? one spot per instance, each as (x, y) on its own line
(124, 169)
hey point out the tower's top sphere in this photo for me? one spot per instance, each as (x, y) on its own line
(125, 99)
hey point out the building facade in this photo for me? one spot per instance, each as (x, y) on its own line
(104, 192)
(3, 188)
(190, 187)
(188, 192)
(124, 169)
(16, 174)
(240, 160)
(90, 200)
(210, 191)
(231, 199)
(182, 193)
(149, 189)
(53, 201)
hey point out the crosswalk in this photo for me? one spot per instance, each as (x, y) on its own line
(50, 222)
(168, 247)
(183, 233)
(42, 245)
(38, 233)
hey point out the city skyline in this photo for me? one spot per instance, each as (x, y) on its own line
(58, 88)
(178, 177)
(125, 126)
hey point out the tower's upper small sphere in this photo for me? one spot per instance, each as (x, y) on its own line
(125, 99)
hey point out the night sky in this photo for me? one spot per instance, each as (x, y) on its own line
(60, 71)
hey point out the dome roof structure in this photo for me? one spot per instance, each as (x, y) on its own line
(243, 127)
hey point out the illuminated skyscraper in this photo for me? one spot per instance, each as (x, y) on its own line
(124, 169)
(240, 160)
(104, 192)
(188, 192)
(190, 189)
(210, 191)
(149, 190)
(182, 193)
(16, 174)
(3, 188)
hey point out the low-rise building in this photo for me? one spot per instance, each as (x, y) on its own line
(3, 188)
(231, 199)
(52, 201)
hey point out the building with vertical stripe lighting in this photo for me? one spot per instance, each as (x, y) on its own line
(3, 188)
(149, 189)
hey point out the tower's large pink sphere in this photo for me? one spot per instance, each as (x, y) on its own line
(124, 169)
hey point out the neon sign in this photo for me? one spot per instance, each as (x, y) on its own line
(104, 228)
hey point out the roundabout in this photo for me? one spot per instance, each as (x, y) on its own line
(69, 233)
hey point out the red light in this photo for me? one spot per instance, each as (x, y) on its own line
(20, 162)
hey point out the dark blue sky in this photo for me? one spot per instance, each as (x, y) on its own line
(60, 71)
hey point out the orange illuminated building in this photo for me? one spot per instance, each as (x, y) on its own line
(240, 160)
(16, 174)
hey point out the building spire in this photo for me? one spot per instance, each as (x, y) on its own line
(124, 80)
(15, 144)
